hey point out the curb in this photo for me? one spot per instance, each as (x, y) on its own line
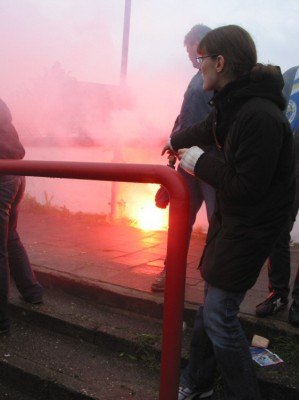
(148, 304)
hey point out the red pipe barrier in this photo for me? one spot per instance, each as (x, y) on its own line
(177, 240)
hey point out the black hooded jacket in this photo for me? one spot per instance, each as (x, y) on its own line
(253, 173)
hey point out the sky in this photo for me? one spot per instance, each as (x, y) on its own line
(85, 37)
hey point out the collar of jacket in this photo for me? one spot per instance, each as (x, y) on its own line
(226, 106)
(263, 81)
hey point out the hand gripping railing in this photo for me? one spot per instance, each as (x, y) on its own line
(177, 242)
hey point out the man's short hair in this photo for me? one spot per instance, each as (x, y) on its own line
(196, 33)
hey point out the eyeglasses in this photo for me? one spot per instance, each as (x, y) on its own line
(200, 59)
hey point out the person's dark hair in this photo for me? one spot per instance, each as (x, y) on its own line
(236, 46)
(195, 35)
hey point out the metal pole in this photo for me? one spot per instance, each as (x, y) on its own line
(125, 46)
(117, 152)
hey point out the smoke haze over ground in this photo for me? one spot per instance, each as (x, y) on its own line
(60, 69)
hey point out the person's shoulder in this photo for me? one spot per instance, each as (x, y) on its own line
(197, 78)
(5, 115)
(290, 73)
(261, 111)
(196, 87)
(259, 103)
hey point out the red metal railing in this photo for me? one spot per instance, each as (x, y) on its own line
(177, 242)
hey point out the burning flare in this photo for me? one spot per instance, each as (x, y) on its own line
(151, 218)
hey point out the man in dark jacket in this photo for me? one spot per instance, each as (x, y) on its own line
(13, 256)
(195, 108)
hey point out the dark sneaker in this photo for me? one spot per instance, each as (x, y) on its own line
(32, 300)
(188, 394)
(159, 284)
(294, 315)
(4, 331)
(273, 303)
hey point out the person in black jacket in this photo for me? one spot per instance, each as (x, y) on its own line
(279, 261)
(254, 177)
(13, 256)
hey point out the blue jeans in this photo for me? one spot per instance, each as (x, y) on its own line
(199, 192)
(13, 256)
(218, 341)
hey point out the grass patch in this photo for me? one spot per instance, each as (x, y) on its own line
(287, 348)
(30, 203)
(144, 352)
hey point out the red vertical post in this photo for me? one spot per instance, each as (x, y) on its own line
(177, 248)
(177, 241)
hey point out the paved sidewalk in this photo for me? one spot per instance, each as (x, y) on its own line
(126, 258)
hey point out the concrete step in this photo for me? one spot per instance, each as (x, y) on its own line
(71, 347)
(68, 349)
(9, 393)
(148, 303)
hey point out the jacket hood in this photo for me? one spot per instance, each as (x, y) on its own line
(263, 81)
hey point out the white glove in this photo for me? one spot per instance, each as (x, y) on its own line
(189, 158)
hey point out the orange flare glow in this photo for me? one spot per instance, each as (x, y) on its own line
(151, 218)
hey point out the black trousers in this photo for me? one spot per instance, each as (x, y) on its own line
(279, 263)
(295, 292)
